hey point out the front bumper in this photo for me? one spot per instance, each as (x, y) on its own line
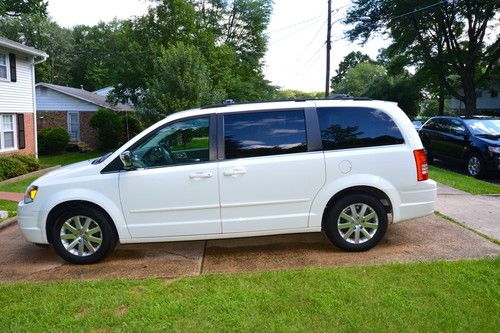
(418, 201)
(28, 219)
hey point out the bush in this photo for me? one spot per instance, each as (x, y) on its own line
(52, 140)
(109, 128)
(11, 167)
(29, 161)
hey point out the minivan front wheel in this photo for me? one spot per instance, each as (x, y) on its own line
(356, 223)
(83, 235)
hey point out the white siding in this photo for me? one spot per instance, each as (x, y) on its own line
(51, 100)
(18, 96)
(484, 102)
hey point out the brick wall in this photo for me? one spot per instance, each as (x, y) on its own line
(60, 119)
(29, 120)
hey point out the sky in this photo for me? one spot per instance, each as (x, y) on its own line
(296, 56)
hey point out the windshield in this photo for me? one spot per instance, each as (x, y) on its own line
(489, 127)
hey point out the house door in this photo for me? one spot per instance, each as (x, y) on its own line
(74, 126)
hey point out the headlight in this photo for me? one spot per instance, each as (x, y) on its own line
(494, 149)
(30, 194)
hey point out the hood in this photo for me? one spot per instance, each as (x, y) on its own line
(492, 140)
(69, 171)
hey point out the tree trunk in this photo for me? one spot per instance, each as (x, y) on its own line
(441, 99)
(469, 97)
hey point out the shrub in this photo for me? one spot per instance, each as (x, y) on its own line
(52, 140)
(29, 161)
(11, 167)
(109, 128)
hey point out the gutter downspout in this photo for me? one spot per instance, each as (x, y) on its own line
(33, 89)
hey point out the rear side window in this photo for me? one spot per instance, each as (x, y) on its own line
(357, 127)
(264, 133)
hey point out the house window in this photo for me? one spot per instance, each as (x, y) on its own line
(74, 126)
(7, 132)
(4, 66)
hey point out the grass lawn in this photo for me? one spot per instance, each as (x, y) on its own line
(462, 182)
(9, 206)
(461, 296)
(67, 158)
(19, 186)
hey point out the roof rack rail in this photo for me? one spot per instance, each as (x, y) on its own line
(229, 102)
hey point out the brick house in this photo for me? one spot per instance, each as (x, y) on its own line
(71, 108)
(17, 97)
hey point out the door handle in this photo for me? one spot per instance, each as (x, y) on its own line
(235, 172)
(200, 175)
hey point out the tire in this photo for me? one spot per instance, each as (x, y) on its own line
(353, 236)
(75, 245)
(475, 166)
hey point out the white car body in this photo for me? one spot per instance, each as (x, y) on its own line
(256, 196)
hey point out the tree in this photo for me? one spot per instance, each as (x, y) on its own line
(358, 79)
(452, 37)
(109, 128)
(180, 81)
(349, 61)
(16, 8)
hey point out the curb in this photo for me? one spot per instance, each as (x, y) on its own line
(7, 223)
(31, 174)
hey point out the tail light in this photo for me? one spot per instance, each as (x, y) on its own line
(422, 167)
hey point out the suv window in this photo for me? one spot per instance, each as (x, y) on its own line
(181, 142)
(455, 127)
(357, 127)
(264, 133)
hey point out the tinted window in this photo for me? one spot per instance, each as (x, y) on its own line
(264, 133)
(357, 127)
(456, 127)
(436, 124)
(182, 142)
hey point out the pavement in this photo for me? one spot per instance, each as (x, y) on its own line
(480, 212)
(424, 239)
(11, 196)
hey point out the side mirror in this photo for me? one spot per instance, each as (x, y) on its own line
(126, 158)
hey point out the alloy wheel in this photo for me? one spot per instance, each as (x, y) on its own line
(474, 166)
(357, 223)
(81, 236)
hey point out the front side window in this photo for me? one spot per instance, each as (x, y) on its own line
(3, 66)
(456, 127)
(357, 127)
(183, 142)
(264, 133)
(7, 127)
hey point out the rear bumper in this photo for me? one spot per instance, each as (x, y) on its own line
(418, 201)
(28, 221)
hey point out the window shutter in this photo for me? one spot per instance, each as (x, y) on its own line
(13, 73)
(21, 139)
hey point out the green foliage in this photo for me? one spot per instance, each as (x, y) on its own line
(109, 128)
(67, 158)
(131, 125)
(20, 7)
(289, 94)
(462, 182)
(30, 161)
(52, 140)
(349, 61)
(358, 79)
(440, 39)
(180, 81)
(11, 167)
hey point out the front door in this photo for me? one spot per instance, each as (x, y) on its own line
(174, 189)
(268, 178)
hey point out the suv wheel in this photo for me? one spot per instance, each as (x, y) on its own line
(83, 235)
(356, 223)
(475, 166)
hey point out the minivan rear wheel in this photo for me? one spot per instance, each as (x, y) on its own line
(356, 222)
(83, 235)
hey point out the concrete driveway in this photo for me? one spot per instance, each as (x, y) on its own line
(422, 239)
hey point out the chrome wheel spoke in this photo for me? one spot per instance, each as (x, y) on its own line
(70, 228)
(354, 212)
(72, 244)
(363, 210)
(94, 230)
(370, 216)
(366, 233)
(78, 224)
(346, 225)
(94, 239)
(86, 225)
(80, 247)
(348, 233)
(346, 217)
(68, 236)
(369, 225)
(89, 246)
(356, 235)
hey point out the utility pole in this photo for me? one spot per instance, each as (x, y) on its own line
(328, 49)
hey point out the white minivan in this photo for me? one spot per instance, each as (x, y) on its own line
(345, 167)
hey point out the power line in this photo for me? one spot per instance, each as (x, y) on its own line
(296, 24)
(311, 61)
(417, 10)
